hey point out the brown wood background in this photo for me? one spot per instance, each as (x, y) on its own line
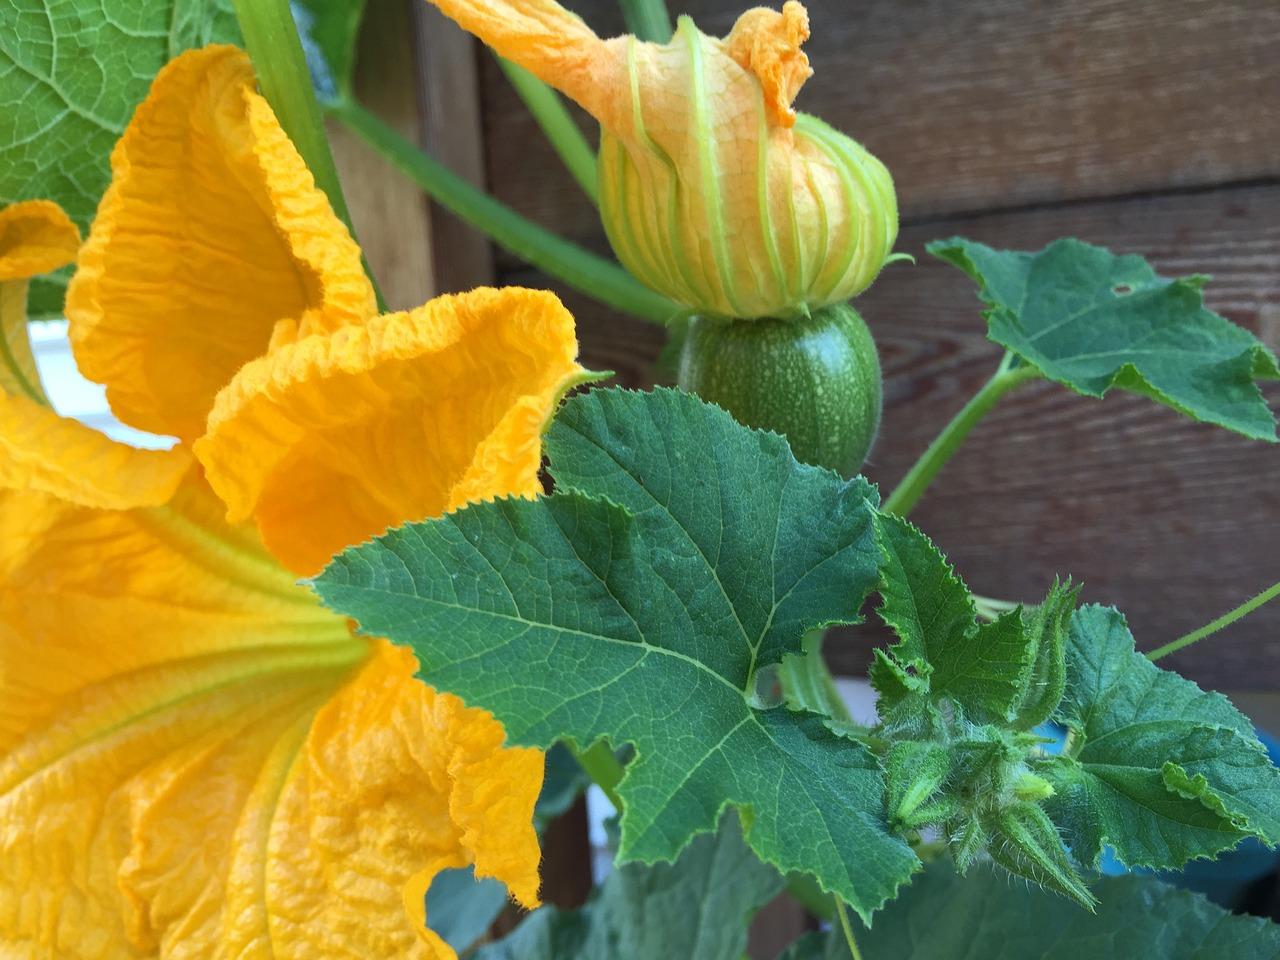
(1150, 126)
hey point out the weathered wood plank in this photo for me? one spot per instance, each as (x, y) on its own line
(462, 257)
(391, 215)
(982, 105)
(1172, 521)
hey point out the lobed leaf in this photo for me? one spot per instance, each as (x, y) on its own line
(681, 554)
(1158, 768)
(1091, 320)
(985, 668)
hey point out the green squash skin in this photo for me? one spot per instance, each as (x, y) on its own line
(815, 380)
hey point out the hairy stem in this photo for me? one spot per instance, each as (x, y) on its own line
(845, 926)
(648, 19)
(553, 117)
(580, 269)
(1225, 620)
(603, 768)
(916, 482)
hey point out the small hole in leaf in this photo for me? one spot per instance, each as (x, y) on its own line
(1122, 289)
(766, 688)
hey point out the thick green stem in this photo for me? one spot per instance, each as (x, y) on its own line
(603, 768)
(648, 19)
(557, 123)
(917, 480)
(593, 275)
(1225, 620)
(272, 41)
(271, 37)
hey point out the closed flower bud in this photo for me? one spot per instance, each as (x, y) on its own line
(713, 190)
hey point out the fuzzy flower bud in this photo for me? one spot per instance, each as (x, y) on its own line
(713, 190)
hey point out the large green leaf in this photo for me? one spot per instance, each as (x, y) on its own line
(699, 907)
(71, 74)
(945, 917)
(681, 554)
(1158, 768)
(1092, 320)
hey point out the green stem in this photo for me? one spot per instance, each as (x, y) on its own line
(917, 480)
(556, 122)
(593, 275)
(648, 19)
(849, 938)
(1225, 620)
(603, 768)
(271, 37)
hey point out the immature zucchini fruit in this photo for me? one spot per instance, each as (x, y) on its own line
(815, 380)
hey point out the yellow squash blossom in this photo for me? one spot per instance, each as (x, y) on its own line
(196, 759)
(712, 189)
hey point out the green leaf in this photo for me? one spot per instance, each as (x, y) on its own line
(1158, 768)
(1026, 843)
(914, 774)
(1047, 625)
(681, 554)
(70, 77)
(699, 907)
(461, 908)
(329, 30)
(563, 780)
(982, 915)
(1091, 320)
(984, 668)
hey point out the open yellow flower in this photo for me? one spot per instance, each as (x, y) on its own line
(196, 758)
(712, 189)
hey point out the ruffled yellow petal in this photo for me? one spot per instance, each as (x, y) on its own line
(43, 452)
(35, 237)
(712, 189)
(767, 43)
(197, 761)
(335, 438)
(90, 594)
(211, 240)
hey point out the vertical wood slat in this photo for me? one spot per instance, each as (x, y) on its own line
(392, 220)
(448, 82)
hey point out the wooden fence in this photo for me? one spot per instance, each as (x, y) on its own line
(1150, 126)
